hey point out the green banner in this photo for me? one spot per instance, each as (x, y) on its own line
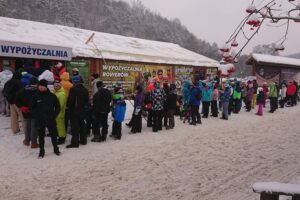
(84, 70)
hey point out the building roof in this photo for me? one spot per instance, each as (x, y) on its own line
(114, 47)
(278, 60)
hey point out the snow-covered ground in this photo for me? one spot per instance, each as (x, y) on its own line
(218, 160)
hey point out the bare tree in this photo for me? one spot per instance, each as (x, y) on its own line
(259, 13)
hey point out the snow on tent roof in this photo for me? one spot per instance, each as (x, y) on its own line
(276, 59)
(113, 47)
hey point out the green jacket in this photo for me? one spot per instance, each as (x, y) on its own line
(273, 90)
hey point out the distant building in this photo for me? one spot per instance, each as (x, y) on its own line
(126, 60)
(269, 68)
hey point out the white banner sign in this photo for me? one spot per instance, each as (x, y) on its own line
(23, 50)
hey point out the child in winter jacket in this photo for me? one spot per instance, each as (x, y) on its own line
(214, 101)
(158, 98)
(119, 112)
(260, 102)
(171, 107)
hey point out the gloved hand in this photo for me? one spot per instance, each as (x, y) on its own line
(24, 109)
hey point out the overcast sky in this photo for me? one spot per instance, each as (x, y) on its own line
(215, 20)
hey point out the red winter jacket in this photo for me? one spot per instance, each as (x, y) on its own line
(291, 90)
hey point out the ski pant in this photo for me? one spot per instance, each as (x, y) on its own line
(150, 118)
(50, 124)
(273, 102)
(157, 120)
(100, 121)
(225, 110)
(195, 114)
(214, 108)
(117, 130)
(248, 105)
(254, 101)
(78, 130)
(136, 123)
(170, 118)
(237, 105)
(15, 115)
(205, 105)
(230, 106)
(30, 130)
(282, 102)
(260, 109)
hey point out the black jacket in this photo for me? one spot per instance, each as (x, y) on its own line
(78, 100)
(23, 99)
(171, 101)
(44, 106)
(11, 88)
(101, 101)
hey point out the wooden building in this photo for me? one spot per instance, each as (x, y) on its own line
(116, 58)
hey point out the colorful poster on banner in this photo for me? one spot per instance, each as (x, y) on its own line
(183, 73)
(84, 70)
(124, 73)
(167, 75)
(290, 75)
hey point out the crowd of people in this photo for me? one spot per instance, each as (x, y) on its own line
(59, 102)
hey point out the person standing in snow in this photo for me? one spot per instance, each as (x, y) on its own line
(45, 108)
(291, 90)
(5, 75)
(214, 101)
(273, 97)
(119, 111)
(265, 92)
(295, 97)
(60, 119)
(77, 101)
(260, 102)
(158, 98)
(206, 89)
(283, 95)
(186, 96)
(101, 108)
(255, 89)
(196, 95)
(225, 101)
(171, 107)
(23, 99)
(10, 90)
(249, 96)
(237, 98)
(139, 102)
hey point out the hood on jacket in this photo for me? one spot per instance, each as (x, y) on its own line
(65, 76)
(17, 75)
(186, 84)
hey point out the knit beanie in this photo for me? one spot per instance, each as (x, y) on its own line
(43, 82)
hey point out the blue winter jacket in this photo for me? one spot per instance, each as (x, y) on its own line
(194, 93)
(120, 111)
(206, 92)
(186, 92)
(226, 95)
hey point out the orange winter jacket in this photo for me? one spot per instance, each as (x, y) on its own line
(65, 82)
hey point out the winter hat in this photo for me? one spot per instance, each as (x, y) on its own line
(76, 79)
(75, 70)
(33, 81)
(99, 84)
(43, 82)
